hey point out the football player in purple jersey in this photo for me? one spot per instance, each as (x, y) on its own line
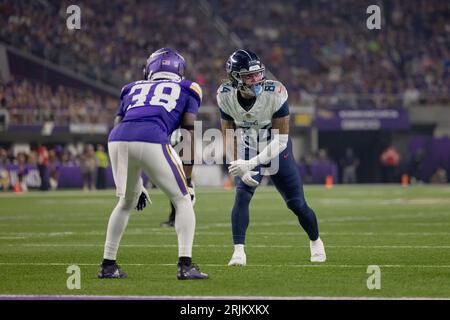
(150, 110)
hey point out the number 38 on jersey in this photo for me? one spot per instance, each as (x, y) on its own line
(164, 94)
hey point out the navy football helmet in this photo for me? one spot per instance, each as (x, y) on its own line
(246, 72)
(165, 63)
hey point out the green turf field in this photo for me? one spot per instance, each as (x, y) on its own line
(405, 231)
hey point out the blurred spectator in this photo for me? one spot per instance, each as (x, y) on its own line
(390, 159)
(305, 161)
(42, 164)
(349, 165)
(411, 95)
(4, 178)
(53, 166)
(4, 173)
(416, 164)
(88, 164)
(22, 171)
(102, 164)
(439, 176)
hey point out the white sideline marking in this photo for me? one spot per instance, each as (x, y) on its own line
(311, 265)
(91, 297)
(221, 246)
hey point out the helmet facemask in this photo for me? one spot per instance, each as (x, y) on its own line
(250, 82)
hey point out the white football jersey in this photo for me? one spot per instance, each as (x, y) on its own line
(274, 95)
(272, 98)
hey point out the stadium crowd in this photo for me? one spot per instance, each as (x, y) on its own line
(113, 44)
(91, 160)
(30, 102)
(322, 50)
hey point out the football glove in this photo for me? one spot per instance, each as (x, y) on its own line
(248, 180)
(143, 199)
(240, 167)
(191, 190)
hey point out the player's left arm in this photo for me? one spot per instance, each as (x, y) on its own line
(280, 137)
(280, 127)
(280, 132)
(121, 111)
(187, 123)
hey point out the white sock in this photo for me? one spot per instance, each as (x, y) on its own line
(239, 248)
(316, 241)
(116, 226)
(184, 225)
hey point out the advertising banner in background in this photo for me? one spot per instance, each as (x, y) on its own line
(362, 119)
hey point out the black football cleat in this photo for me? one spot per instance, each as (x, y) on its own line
(111, 272)
(191, 272)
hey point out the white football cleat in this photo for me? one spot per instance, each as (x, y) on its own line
(317, 251)
(238, 259)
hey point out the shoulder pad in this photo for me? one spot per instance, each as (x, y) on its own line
(222, 92)
(126, 89)
(224, 88)
(276, 88)
(193, 88)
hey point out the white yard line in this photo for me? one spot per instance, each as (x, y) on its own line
(225, 246)
(311, 265)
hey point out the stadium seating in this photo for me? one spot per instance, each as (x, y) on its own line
(321, 50)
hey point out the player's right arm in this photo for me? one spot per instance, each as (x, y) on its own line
(229, 139)
(187, 122)
(227, 124)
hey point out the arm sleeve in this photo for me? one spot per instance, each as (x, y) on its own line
(282, 112)
(272, 150)
(121, 110)
(192, 105)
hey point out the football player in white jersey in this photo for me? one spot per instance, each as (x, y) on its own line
(258, 109)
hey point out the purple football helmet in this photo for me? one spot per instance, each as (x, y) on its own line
(165, 63)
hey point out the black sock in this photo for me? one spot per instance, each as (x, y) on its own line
(186, 261)
(107, 262)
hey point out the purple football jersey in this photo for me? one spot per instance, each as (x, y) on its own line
(152, 110)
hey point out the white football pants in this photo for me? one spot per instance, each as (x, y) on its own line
(163, 167)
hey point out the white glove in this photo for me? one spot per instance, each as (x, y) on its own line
(240, 167)
(191, 190)
(248, 180)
